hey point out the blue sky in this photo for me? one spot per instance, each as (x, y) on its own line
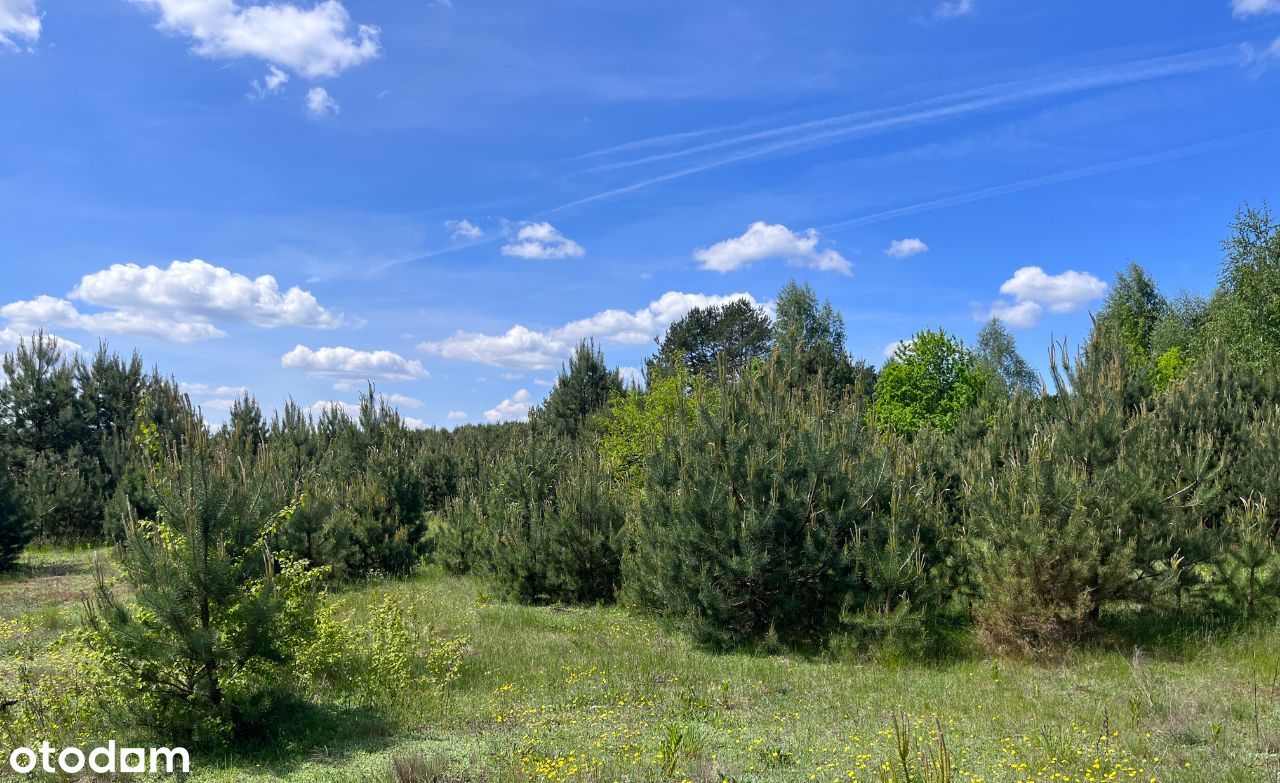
(443, 197)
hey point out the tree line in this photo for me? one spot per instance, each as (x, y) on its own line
(763, 488)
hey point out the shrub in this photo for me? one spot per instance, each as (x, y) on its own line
(376, 661)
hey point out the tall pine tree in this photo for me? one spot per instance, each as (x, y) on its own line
(582, 390)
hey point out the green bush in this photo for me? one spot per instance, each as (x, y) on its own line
(375, 662)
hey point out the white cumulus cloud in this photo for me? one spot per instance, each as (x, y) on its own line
(321, 407)
(542, 240)
(205, 389)
(1034, 291)
(343, 362)
(517, 347)
(632, 376)
(48, 311)
(203, 292)
(1061, 293)
(456, 415)
(514, 408)
(320, 104)
(312, 42)
(762, 241)
(1020, 315)
(523, 348)
(905, 248)
(892, 348)
(19, 19)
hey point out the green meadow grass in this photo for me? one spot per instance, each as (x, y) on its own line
(596, 694)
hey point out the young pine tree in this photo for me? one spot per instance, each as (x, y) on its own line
(583, 389)
(52, 447)
(551, 522)
(1080, 514)
(203, 632)
(767, 518)
(15, 528)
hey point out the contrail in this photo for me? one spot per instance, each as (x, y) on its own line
(1190, 150)
(666, 138)
(929, 110)
(961, 102)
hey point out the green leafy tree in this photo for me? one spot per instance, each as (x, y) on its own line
(582, 390)
(1175, 340)
(636, 423)
(731, 334)
(930, 381)
(1244, 314)
(999, 355)
(1180, 325)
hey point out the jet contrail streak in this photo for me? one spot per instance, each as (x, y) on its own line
(808, 134)
(1053, 179)
(964, 102)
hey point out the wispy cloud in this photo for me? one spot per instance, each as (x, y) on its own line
(1055, 178)
(950, 9)
(825, 131)
(1243, 8)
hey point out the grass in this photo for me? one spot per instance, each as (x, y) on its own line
(595, 694)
